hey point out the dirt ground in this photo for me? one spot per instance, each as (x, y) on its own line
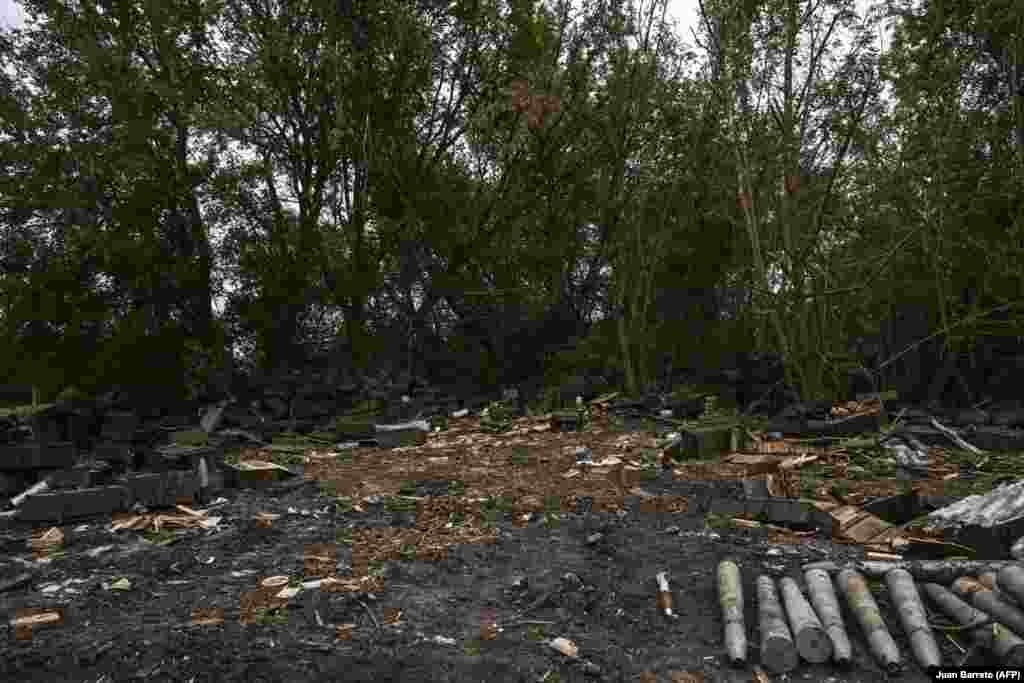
(458, 560)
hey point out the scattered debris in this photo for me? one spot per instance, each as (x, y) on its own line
(447, 472)
(664, 595)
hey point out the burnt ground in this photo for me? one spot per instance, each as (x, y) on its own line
(421, 578)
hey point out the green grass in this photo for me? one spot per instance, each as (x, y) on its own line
(715, 521)
(398, 504)
(535, 632)
(271, 615)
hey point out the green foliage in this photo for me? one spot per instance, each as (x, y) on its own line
(581, 159)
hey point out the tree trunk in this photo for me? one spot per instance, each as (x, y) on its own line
(626, 349)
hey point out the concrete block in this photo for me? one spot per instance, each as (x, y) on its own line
(788, 511)
(149, 489)
(727, 507)
(786, 425)
(995, 438)
(74, 478)
(562, 421)
(350, 429)
(702, 444)
(60, 505)
(120, 426)
(821, 519)
(400, 437)
(897, 509)
(183, 456)
(182, 485)
(115, 452)
(46, 428)
(32, 456)
(161, 489)
(754, 507)
(12, 483)
(855, 424)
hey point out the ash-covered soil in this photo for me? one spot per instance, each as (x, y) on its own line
(188, 608)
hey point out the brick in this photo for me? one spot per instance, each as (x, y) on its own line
(61, 505)
(32, 456)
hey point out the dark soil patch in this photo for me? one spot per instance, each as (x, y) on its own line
(404, 610)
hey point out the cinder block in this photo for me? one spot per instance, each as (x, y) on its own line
(62, 505)
(33, 456)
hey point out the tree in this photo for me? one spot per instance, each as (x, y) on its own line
(788, 126)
